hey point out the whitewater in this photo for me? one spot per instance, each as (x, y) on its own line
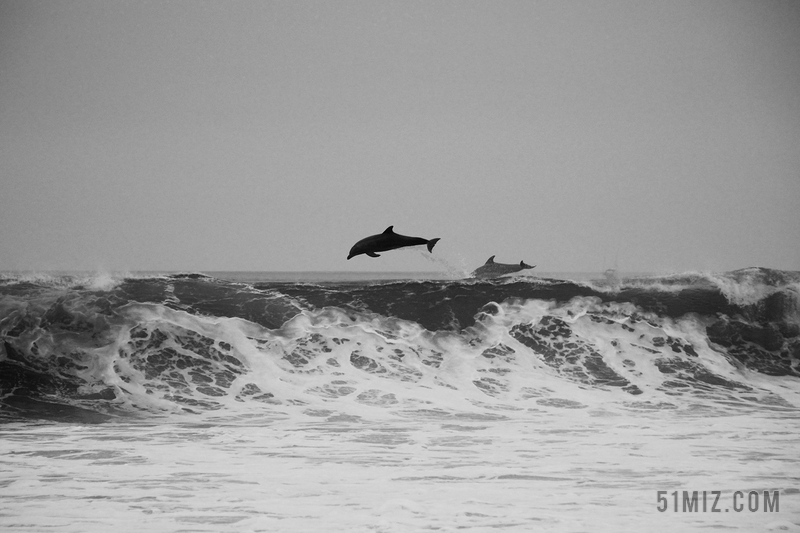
(244, 402)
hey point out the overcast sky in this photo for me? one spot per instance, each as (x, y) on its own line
(258, 135)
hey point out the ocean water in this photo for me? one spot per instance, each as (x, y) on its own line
(396, 402)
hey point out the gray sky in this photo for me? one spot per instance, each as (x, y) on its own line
(575, 135)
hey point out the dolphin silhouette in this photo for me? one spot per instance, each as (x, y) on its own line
(492, 270)
(388, 240)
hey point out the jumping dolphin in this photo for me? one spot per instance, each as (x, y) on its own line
(388, 240)
(493, 270)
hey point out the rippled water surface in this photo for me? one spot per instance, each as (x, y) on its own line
(570, 468)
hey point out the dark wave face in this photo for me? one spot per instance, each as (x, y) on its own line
(85, 350)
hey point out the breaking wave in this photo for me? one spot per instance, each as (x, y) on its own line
(93, 348)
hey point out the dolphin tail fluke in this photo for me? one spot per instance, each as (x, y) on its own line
(432, 243)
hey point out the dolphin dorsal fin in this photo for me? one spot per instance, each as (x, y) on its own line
(389, 230)
(490, 260)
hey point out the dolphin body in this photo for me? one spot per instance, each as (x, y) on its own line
(492, 270)
(388, 240)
